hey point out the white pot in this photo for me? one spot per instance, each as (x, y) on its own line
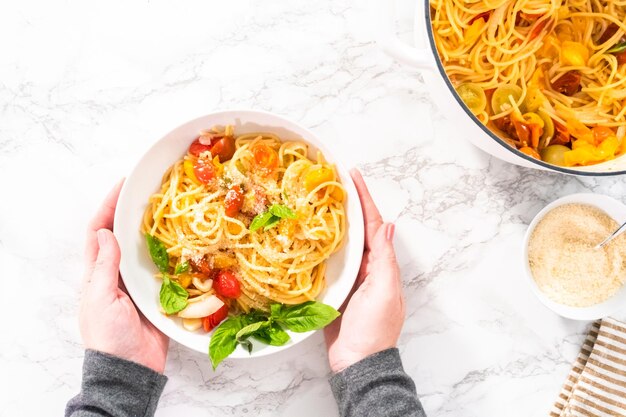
(423, 56)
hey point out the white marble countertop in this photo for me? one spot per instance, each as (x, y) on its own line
(86, 87)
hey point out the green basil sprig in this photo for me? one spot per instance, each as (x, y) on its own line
(268, 328)
(173, 296)
(271, 217)
(158, 253)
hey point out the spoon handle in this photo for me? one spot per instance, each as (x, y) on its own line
(611, 237)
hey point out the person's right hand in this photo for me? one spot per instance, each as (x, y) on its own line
(374, 313)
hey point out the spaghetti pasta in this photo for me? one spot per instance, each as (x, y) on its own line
(210, 205)
(559, 60)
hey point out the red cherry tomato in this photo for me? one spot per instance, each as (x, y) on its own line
(265, 158)
(227, 285)
(197, 148)
(233, 201)
(204, 170)
(211, 321)
(203, 266)
(224, 148)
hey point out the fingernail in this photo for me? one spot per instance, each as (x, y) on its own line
(102, 237)
(391, 229)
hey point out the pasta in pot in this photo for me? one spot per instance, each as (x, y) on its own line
(547, 76)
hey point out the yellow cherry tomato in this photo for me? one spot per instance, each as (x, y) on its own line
(574, 53)
(316, 177)
(188, 168)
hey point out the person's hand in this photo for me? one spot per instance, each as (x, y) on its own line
(374, 313)
(109, 321)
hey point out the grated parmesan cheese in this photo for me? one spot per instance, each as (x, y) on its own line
(564, 263)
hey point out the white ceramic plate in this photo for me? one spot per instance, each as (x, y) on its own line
(614, 209)
(136, 266)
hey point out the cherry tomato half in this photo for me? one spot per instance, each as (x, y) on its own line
(224, 148)
(265, 158)
(227, 285)
(204, 170)
(203, 266)
(197, 148)
(211, 321)
(233, 201)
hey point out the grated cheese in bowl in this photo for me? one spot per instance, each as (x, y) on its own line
(563, 261)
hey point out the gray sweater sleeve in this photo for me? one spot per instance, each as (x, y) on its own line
(115, 387)
(376, 386)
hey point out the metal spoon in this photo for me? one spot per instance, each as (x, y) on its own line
(611, 237)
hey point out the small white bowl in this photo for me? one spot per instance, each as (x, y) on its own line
(616, 210)
(138, 270)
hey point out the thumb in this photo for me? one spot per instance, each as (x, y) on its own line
(105, 274)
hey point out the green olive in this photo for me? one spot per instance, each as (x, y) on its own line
(473, 96)
(500, 101)
(548, 127)
(554, 154)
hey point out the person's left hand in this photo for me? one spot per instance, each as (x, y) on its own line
(109, 321)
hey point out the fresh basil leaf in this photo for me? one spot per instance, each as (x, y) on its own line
(172, 296)
(620, 47)
(251, 329)
(306, 317)
(275, 310)
(283, 212)
(273, 335)
(260, 220)
(158, 253)
(271, 223)
(223, 340)
(182, 268)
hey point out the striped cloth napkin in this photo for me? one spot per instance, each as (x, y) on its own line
(596, 385)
